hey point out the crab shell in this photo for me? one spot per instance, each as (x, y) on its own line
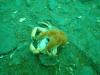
(55, 36)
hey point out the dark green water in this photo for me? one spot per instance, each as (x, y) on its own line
(79, 19)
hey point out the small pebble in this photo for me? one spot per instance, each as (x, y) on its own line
(98, 20)
(79, 17)
(22, 19)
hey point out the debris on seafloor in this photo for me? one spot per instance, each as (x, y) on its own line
(2, 55)
(12, 51)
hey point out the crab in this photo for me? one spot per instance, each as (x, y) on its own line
(47, 39)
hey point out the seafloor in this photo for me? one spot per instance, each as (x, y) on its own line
(79, 19)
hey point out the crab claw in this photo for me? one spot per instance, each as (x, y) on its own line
(40, 46)
(33, 49)
(33, 33)
(53, 52)
(36, 30)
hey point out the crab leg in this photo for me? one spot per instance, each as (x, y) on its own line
(35, 30)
